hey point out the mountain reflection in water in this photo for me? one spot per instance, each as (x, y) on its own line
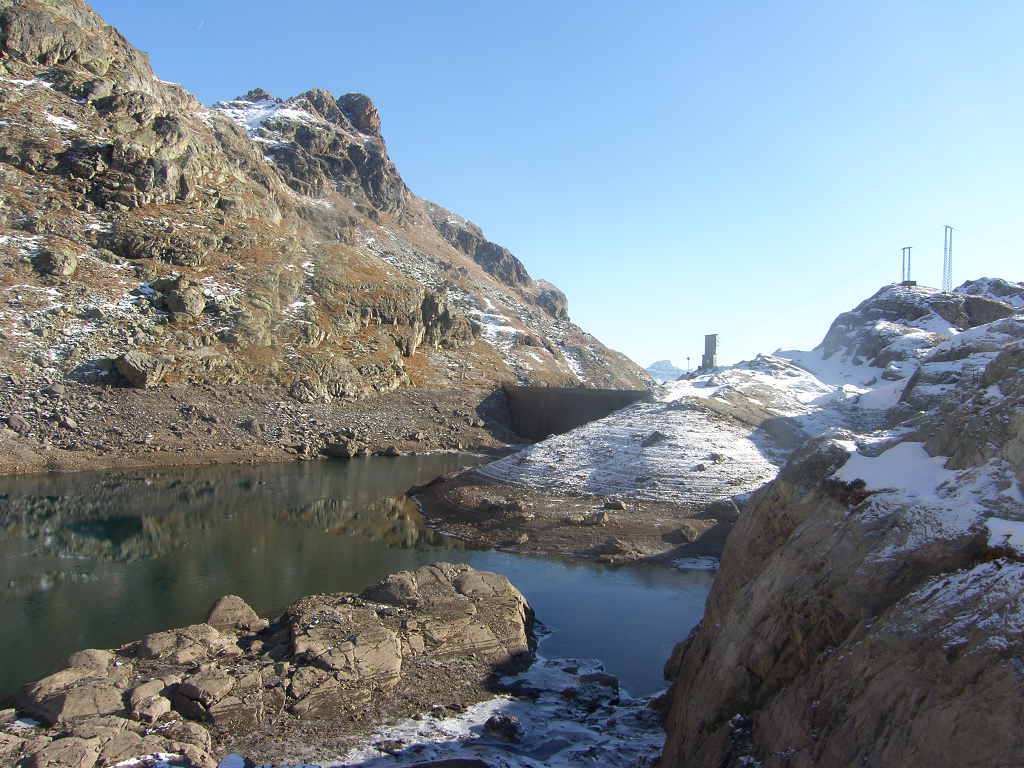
(98, 559)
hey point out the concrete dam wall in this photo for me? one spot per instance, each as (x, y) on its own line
(541, 411)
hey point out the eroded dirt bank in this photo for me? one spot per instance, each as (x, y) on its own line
(67, 427)
(609, 529)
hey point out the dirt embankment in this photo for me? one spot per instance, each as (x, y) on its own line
(69, 426)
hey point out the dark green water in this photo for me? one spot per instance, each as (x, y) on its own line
(96, 560)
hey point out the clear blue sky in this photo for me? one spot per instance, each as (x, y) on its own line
(677, 168)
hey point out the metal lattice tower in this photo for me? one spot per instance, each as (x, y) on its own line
(947, 259)
(905, 273)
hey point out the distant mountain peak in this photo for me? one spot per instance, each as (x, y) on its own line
(664, 370)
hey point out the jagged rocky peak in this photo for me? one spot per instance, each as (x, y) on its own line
(256, 94)
(323, 145)
(362, 112)
(901, 314)
(351, 111)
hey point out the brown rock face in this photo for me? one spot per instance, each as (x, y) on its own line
(361, 111)
(819, 649)
(141, 370)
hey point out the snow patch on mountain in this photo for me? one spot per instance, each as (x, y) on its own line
(251, 115)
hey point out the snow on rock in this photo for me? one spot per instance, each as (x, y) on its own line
(906, 466)
(38, 82)
(926, 502)
(994, 288)
(62, 122)
(596, 725)
(165, 760)
(977, 609)
(572, 358)
(495, 328)
(60, 329)
(1006, 533)
(575, 714)
(251, 115)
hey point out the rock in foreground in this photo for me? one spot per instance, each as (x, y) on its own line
(346, 662)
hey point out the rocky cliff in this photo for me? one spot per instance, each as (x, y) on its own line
(148, 239)
(869, 608)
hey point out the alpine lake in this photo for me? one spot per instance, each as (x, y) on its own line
(95, 560)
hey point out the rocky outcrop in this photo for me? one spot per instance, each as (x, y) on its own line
(324, 144)
(501, 263)
(332, 657)
(468, 238)
(994, 288)
(552, 300)
(867, 610)
(140, 369)
(898, 319)
(361, 112)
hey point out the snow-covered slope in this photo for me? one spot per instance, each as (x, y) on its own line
(717, 436)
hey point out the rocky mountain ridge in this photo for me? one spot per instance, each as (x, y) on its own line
(257, 243)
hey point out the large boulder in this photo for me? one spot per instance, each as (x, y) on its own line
(140, 369)
(188, 645)
(232, 612)
(70, 693)
(57, 260)
(180, 296)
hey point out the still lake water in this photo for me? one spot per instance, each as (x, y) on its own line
(94, 560)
